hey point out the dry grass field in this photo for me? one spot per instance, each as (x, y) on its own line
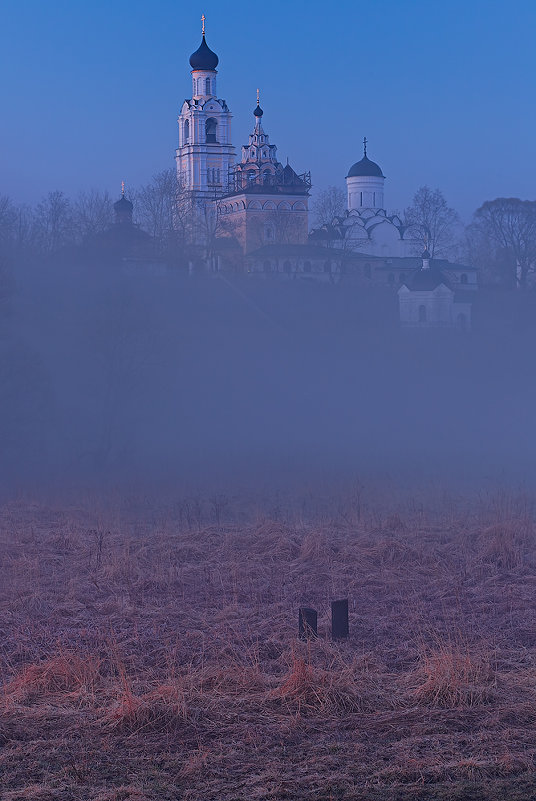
(149, 652)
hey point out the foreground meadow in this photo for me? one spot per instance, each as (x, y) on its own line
(149, 652)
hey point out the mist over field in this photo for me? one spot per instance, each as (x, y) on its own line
(267, 401)
(188, 380)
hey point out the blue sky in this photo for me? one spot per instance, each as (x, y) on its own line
(444, 91)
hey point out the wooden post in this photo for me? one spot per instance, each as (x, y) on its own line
(307, 623)
(339, 620)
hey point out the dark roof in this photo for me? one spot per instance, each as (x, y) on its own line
(425, 280)
(290, 177)
(204, 58)
(415, 263)
(123, 205)
(299, 252)
(325, 232)
(365, 167)
(258, 112)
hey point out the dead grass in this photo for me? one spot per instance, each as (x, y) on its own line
(148, 655)
(453, 676)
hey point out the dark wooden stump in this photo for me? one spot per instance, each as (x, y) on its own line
(307, 623)
(339, 620)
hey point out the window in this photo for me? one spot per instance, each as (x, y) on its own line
(402, 278)
(269, 232)
(361, 198)
(251, 176)
(267, 266)
(422, 314)
(186, 131)
(266, 176)
(327, 266)
(211, 129)
(390, 278)
(367, 270)
(286, 267)
(307, 267)
(207, 86)
(463, 278)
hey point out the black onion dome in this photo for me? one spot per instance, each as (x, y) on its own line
(258, 112)
(204, 58)
(365, 167)
(123, 205)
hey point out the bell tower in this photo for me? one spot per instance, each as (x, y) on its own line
(205, 153)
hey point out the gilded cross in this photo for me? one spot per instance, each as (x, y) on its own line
(122, 189)
(365, 145)
(258, 96)
(203, 18)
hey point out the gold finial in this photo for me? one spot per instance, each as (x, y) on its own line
(258, 96)
(203, 18)
(122, 189)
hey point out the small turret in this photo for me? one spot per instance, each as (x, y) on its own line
(364, 183)
(123, 209)
(426, 259)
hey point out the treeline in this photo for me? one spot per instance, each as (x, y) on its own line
(58, 222)
(500, 239)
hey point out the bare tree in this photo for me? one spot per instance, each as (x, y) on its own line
(92, 213)
(163, 210)
(495, 264)
(53, 222)
(509, 224)
(328, 204)
(432, 222)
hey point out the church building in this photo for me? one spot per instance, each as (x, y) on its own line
(205, 154)
(245, 205)
(266, 202)
(366, 226)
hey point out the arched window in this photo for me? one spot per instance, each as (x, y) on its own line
(268, 233)
(422, 313)
(207, 86)
(367, 270)
(286, 267)
(327, 266)
(307, 268)
(266, 176)
(186, 131)
(211, 129)
(251, 176)
(463, 278)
